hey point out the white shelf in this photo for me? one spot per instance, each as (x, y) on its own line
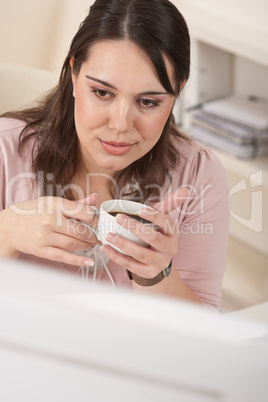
(245, 167)
(245, 282)
(236, 26)
(249, 215)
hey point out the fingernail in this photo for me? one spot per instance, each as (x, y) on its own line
(147, 211)
(111, 237)
(106, 249)
(144, 211)
(182, 193)
(121, 219)
(187, 191)
(89, 263)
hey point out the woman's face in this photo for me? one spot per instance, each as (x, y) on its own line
(121, 106)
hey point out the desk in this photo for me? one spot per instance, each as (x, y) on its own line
(60, 341)
(254, 313)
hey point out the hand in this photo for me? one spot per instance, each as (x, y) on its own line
(43, 227)
(161, 237)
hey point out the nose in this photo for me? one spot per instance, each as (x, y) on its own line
(121, 119)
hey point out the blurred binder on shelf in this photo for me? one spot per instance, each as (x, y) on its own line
(236, 125)
(244, 151)
(250, 112)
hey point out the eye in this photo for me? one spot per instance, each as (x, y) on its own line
(148, 103)
(102, 94)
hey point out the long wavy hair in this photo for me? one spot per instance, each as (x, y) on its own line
(156, 27)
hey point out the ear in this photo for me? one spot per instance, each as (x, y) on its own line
(182, 84)
(73, 76)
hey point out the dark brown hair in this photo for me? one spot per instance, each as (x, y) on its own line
(155, 26)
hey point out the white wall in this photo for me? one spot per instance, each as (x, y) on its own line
(38, 33)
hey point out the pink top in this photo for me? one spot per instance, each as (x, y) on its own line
(203, 217)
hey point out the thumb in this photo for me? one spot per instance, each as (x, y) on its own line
(92, 199)
(173, 201)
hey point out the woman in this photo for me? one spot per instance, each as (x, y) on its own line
(107, 131)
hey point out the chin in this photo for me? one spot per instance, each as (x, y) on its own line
(113, 168)
(116, 166)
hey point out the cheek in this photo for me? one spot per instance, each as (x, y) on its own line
(154, 126)
(87, 114)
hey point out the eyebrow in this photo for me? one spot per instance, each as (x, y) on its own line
(106, 84)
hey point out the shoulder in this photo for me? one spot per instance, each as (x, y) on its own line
(198, 154)
(201, 172)
(10, 130)
(198, 163)
(15, 168)
(10, 125)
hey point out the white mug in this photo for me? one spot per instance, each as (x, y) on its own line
(107, 221)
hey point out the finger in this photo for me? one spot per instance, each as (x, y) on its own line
(160, 224)
(69, 243)
(69, 208)
(131, 264)
(90, 200)
(78, 230)
(145, 255)
(164, 241)
(58, 255)
(78, 211)
(173, 201)
(91, 230)
(60, 206)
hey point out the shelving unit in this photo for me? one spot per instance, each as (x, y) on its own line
(230, 56)
(235, 26)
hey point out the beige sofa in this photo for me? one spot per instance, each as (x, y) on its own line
(20, 86)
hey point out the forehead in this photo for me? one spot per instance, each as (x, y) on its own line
(124, 61)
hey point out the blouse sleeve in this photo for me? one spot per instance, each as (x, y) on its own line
(204, 226)
(16, 178)
(2, 181)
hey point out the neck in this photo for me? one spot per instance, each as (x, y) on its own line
(89, 183)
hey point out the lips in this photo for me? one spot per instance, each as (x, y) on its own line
(116, 148)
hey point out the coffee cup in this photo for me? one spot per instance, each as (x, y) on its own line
(107, 221)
